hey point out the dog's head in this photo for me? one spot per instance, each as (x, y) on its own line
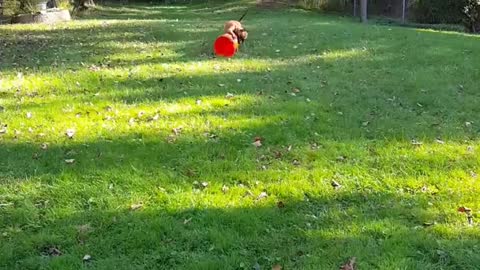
(242, 35)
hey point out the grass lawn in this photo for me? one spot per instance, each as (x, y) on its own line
(159, 169)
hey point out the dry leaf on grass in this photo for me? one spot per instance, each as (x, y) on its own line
(70, 161)
(70, 133)
(177, 131)
(87, 258)
(277, 267)
(350, 265)
(136, 206)
(3, 129)
(262, 195)
(257, 142)
(335, 184)
(53, 252)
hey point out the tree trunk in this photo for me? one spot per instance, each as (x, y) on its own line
(404, 10)
(363, 7)
(354, 8)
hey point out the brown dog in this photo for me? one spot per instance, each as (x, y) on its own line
(236, 29)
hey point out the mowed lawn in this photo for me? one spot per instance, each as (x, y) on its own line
(123, 139)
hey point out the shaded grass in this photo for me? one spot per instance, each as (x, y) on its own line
(364, 94)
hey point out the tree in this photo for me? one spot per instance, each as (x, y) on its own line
(363, 7)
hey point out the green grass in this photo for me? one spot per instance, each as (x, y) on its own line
(124, 77)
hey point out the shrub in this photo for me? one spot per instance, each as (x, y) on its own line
(10, 7)
(438, 11)
(29, 6)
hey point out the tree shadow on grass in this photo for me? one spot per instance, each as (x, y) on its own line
(383, 231)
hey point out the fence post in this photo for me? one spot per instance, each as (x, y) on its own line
(404, 8)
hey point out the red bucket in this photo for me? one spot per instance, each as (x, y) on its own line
(225, 46)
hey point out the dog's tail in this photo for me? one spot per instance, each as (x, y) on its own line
(241, 18)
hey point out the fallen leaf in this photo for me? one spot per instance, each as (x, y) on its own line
(289, 148)
(470, 148)
(87, 258)
(52, 251)
(350, 265)
(29, 115)
(136, 206)
(257, 142)
(177, 131)
(229, 95)
(171, 138)
(280, 204)
(186, 221)
(366, 123)
(154, 118)
(278, 154)
(335, 184)
(296, 162)
(463, 209)
(468, 213)
(94, 68)
(3, 129)
(85, 228)
(239, 80)
(428, 224)
(44, 146)
(204, 184)
(277, 51)
(131, 121)
(198, 102)
(225, 189)
(221, 84)
(70, 161)
(262, 195)
(70, 133)
(248, 193)
(277, 267)
(140, 114)
(439, 141)
(416, 143)
(308, 100)
(468, 124)
(296, 90)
